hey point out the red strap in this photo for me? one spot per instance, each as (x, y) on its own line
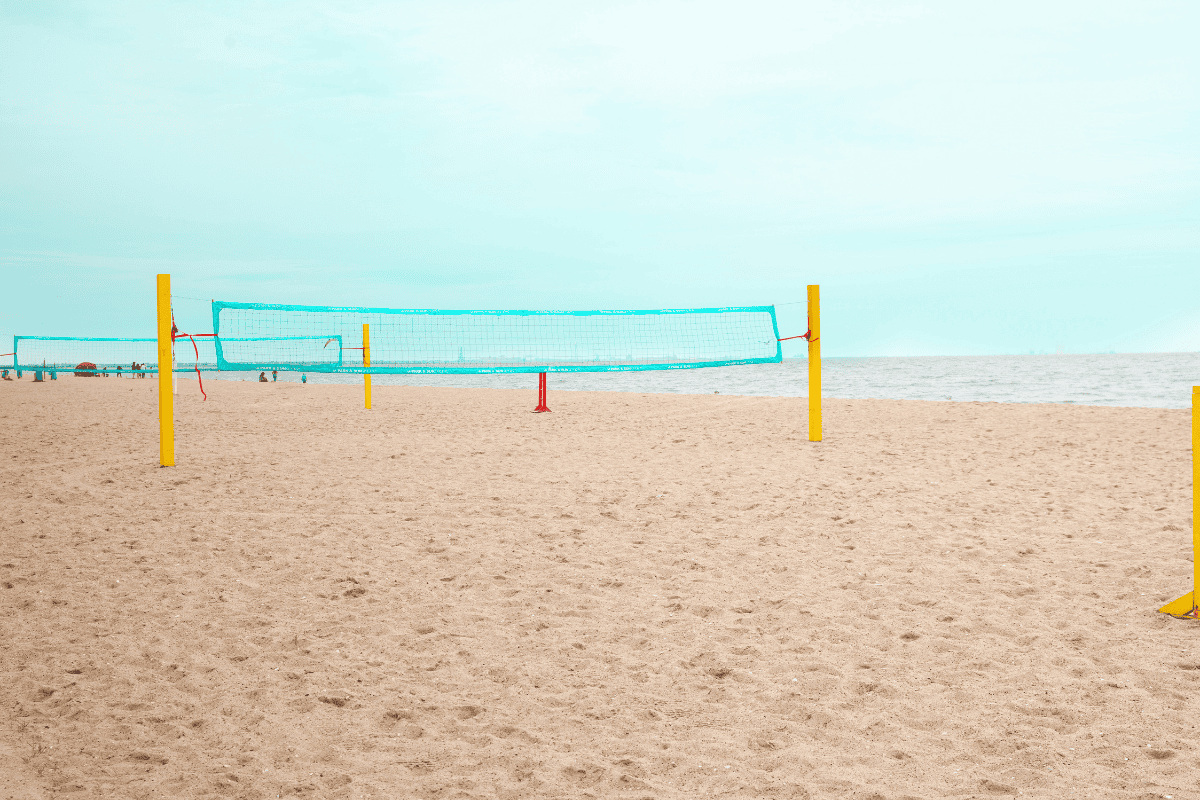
(176, 334)
(199, 378)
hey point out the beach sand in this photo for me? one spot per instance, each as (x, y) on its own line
(635, 596)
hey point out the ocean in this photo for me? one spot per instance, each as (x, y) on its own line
(1148, 380)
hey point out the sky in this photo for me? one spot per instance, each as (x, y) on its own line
(959, 178)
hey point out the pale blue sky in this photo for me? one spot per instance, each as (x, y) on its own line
(960, 178)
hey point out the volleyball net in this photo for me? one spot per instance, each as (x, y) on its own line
(263, 336)
(89, 355)
(106, 355)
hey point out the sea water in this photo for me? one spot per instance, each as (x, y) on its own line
(1151, 380)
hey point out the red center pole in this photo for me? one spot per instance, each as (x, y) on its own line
(541, 406)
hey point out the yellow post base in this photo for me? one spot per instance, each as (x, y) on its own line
(1186, 606)
(1181, 607)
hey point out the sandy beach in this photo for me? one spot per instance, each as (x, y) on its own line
(635, 596)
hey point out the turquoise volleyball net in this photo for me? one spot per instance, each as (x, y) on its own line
(265, 336)
(91, 355)
(88, 354)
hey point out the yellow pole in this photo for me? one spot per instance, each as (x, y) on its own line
(367, 363)
(814, 363)
(166, 410)
(1195, 480)
(1186, 605)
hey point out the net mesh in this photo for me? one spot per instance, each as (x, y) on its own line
(329, 339)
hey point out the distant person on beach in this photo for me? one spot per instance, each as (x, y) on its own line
(6, 376)
(303, 378)
(262, 377)
(118, 370)
(274, 376)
